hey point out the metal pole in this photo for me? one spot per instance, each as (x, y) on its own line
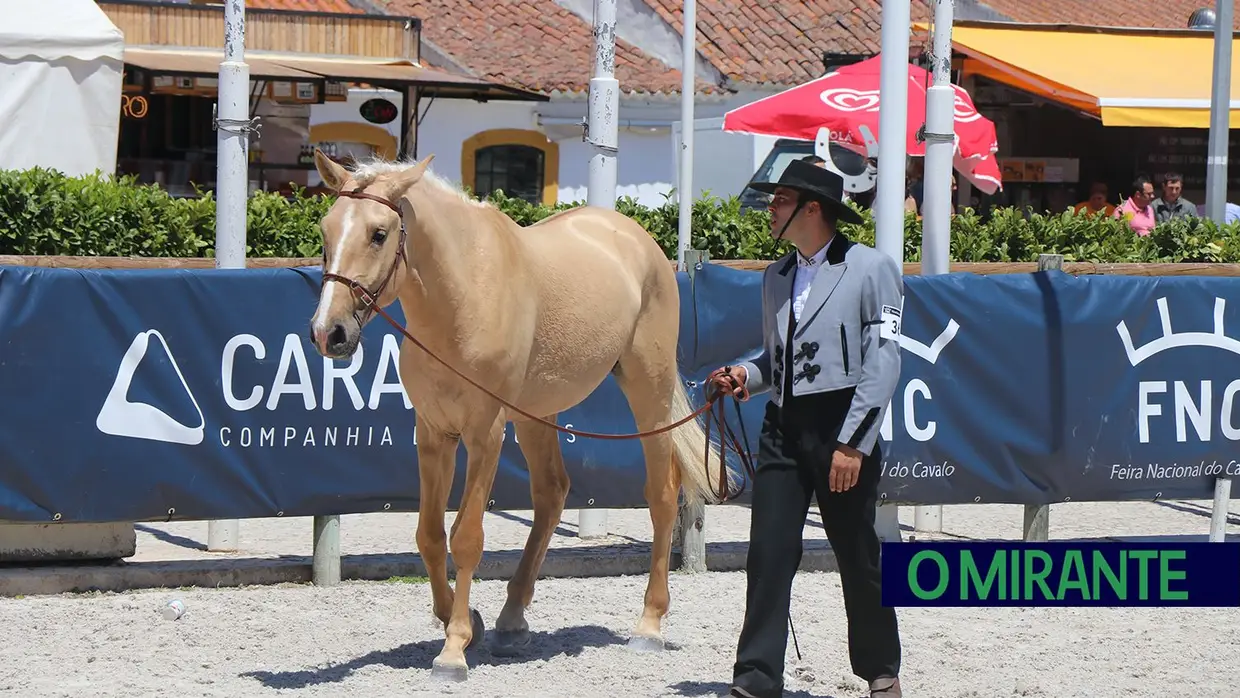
(892, 130)
(1220, 114)
(231, 186)
(1216, 191)
(690, 518)
(602, 132)
(892, 154)
(684, 189)
(937, 204)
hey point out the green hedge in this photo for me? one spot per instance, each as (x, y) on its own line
(45, 213)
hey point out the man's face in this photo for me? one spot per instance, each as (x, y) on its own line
(783, 202)
(1144, 195)
(1098, 198)
(1171, 190)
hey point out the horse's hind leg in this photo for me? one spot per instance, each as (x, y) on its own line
(540, 445)
(483, 441)
(647, 377)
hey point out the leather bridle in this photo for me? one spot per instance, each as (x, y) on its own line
(370, 299)
(719, 383)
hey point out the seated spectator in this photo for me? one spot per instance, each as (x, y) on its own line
(1097, 201)
(1171, 204)
(1231, 212)
(1136, 210)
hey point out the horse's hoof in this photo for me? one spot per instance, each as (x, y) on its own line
(645, 643)
(453, 673)
(509, 643)
(478, 628)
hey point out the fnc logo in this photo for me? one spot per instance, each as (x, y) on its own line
(1189, 406)
(917, 387)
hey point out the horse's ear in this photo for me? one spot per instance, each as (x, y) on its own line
(333, 173)
(406, 178)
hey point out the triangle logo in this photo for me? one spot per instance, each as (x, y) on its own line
(139, 420)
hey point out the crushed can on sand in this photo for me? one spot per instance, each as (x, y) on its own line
(173, 610)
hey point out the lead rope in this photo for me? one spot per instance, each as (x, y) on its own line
(719, 379)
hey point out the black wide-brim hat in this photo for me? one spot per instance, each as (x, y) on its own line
(818, 182)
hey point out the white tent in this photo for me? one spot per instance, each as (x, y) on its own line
(61, 68)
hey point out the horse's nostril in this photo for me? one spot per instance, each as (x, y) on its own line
(338, 336)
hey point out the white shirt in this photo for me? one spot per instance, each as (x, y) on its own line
(807, 269)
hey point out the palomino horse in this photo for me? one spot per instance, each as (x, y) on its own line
(539, 316)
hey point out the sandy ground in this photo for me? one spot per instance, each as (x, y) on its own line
(378, 638)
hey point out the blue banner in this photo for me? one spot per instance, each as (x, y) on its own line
(134, 395)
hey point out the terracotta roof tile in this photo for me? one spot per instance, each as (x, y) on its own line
(1164, 14)
(533, 44)
(781, 42)
(339, 6)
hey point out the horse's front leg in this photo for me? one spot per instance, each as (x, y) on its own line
(436, 468)
(482, 444)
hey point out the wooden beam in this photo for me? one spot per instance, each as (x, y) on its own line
(1073, 268)
(149, 262)
(283, 31)
(910, 268)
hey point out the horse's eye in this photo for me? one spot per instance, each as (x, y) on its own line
(379, 236)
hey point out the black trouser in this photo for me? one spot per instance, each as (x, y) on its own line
(794, 460)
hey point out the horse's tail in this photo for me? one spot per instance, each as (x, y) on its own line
(699, 472)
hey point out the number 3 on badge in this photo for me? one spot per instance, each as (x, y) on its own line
(891, 323)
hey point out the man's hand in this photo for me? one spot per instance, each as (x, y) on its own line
(738, 375)
(845, 468)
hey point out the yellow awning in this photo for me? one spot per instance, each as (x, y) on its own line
(1126, 77)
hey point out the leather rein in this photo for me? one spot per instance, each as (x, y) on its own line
(718, 384)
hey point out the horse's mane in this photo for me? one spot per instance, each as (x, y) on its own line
(368, 170)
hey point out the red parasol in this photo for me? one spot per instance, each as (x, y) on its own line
(847, 99)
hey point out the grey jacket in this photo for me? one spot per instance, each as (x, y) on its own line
(848, 335)
(1164, 211)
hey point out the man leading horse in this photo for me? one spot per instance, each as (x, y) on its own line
(831, 361)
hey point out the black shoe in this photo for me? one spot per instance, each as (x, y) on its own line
(886, 687)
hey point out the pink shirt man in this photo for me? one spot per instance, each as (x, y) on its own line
(1137, 209)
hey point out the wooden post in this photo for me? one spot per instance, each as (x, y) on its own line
(1218, 515)
(1037, 524)
(223, 535)
(691, 519)
(325, 571)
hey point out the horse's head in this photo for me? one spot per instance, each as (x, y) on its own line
(364, 249)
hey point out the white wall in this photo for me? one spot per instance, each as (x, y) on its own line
(449, 122)
(329, 112)
(647, 148)
(645, 159)
(644, 166)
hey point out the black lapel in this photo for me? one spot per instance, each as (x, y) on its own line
(825, 280)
